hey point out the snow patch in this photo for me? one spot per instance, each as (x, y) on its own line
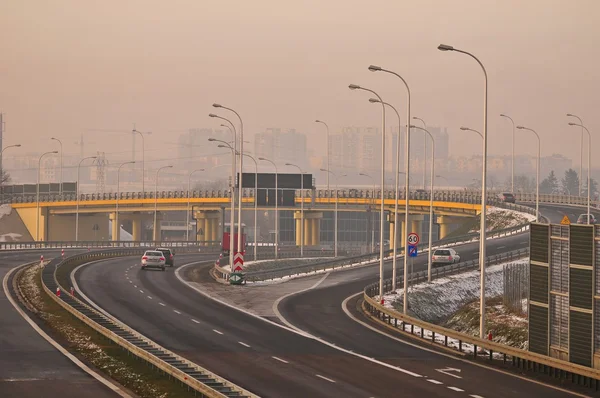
(10, 237)
(5, 210)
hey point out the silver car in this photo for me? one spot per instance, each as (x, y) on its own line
(153, 259)
(444, 257)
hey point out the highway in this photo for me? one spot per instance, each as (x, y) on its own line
(29, 365)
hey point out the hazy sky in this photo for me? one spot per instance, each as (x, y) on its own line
(73, 65)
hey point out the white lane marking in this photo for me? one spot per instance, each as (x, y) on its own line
(141, 291)
(455, 389)
(325, 378)
(195, 321)
(150, 297)
(289, 327)
(244, 344)
(447, 371)
(135, 286)
(501, 247)
(216, 331)
(434, 381)
(130, 281)
(162, 304)
(475, 396)
(177, 312)
(280, 360)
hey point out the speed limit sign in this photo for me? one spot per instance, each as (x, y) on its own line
(412, 239)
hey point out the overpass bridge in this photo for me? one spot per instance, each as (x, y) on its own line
(56, 213)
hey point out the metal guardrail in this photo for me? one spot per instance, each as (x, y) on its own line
(496, 353)
(181, 245)
(194, 376)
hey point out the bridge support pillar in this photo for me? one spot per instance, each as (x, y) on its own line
(312, 227)
(115, 229)
(416, 222)
(136, 228)
(207, 226)
(157, 233)
(445, 223)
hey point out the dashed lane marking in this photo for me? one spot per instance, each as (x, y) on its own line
(216, 331)
(455, 389)
(135, 286)
(177, 312)
(244, 344)
(434, 381)
(141, 291)
(325, 378)
(475, 396)
(280, 360)
(162, 304)
(150, 297)
(195, 321)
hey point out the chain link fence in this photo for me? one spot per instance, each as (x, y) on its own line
(516, 286)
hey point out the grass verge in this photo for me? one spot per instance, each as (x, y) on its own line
(91, 347)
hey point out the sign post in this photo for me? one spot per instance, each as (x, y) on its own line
(412, 241)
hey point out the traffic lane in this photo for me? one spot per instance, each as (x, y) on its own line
(29, 365)
(320, 313)
(555, 213)
(271, 361)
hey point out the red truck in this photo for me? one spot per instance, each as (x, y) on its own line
(225, 242)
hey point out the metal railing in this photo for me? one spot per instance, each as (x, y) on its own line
(183, 246)
(194, 376)
(496, 353)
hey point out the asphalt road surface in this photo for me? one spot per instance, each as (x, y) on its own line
(29, 365)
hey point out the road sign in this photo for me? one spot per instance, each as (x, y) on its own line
(565, 220)
(412, 239)
(238, 262)
(412, 251)
(236, 278)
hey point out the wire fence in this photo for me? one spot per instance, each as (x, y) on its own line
(516, 286)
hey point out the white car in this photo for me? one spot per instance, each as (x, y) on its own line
(153, 259)
(444, 257)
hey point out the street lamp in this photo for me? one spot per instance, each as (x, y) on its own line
(512, 178)
(424, 151)
(482, 242)
(156, 233)
(276, 206)
(232, 189)
(187, 211)
(588, 167)
(255, 203)
(37, 218)
(77, 209)
(116, 238)
(301, 207)
(580, 151)
(372, 218)
(60, 187)
(328, 165)
(430, 199)
(396, 189)
(335, 221)
(537, 172)
(2, 170)
(374, 68)
(134, 131)
(381, 221)
(241, 152)
(470, 129)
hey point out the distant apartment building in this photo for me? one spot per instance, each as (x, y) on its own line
(282, 146)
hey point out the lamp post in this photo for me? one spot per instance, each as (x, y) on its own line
(37, 215)
(430, 199)
(424, 151)
(482, 242)
(156, 233)
(60, 186)
(301, 207)
(381, 221)
(588, 166)
(232, 215)
(116, 238)
(374, 68)
(255, 204)
(335, 216)
(580, 151)
(77, 208)
(512, 172)
(372, 218)
(396, 195)
(2, 169)
(473, 130)
(276, 206)
(328, 165)
(241, 170)
(537, 173)
(187, 212)
(143, 158)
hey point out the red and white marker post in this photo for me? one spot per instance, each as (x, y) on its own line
(238, 262)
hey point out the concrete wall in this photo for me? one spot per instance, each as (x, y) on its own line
(62, 227)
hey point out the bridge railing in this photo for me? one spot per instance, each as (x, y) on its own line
(496, 353)
(183, 246)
